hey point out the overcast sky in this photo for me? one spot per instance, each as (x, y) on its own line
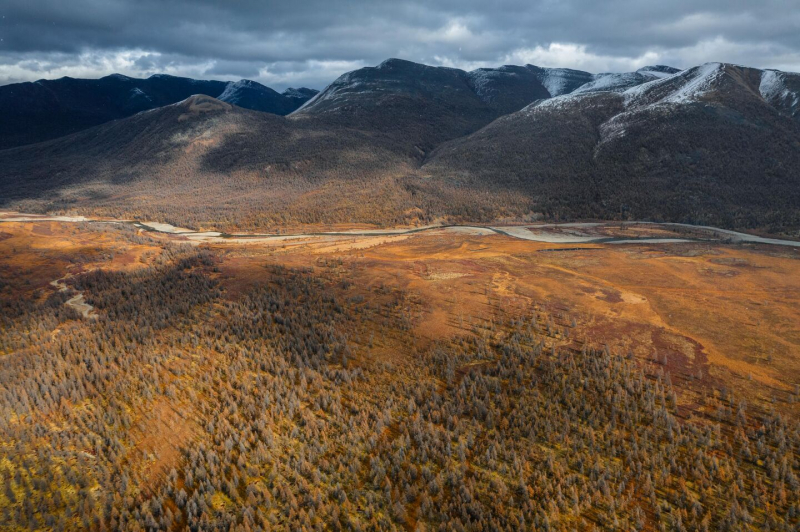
(311, 42)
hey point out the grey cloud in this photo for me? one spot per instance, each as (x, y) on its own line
(311, 42)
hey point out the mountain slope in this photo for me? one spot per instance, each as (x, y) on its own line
(419, 105)
(507, 88)
(46, 109)
(204, 160)
(704, 145)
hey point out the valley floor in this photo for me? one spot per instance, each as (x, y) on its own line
(566, 233)
(408, 379)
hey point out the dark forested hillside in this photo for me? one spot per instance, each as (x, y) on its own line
(46, 109)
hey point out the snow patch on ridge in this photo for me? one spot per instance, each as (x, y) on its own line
(231, 92)
(557, 80)
(136, 92)
(771, 85)
(612, 82)
(773, 88)
(620, 82)
(684, 87)
(702, 82)
(564, 102)
(557, 102)
(481, 82)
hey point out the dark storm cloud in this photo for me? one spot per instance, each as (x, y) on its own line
(311, 42)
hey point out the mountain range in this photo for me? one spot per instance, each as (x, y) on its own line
(407, 143)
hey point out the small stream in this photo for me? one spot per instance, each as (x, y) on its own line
(77, 302)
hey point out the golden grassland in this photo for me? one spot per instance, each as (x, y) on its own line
(736, 306)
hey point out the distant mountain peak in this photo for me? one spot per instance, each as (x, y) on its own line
(394, 62)
(236, 89)
(301, 92)
(247, 83)
(253, 95)
(196, 99)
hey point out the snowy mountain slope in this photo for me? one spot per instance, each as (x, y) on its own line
(503, 90)
(613, 82)
(685, 87)
(714, 142)
(782, 90)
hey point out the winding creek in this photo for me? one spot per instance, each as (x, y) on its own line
(77, 302)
